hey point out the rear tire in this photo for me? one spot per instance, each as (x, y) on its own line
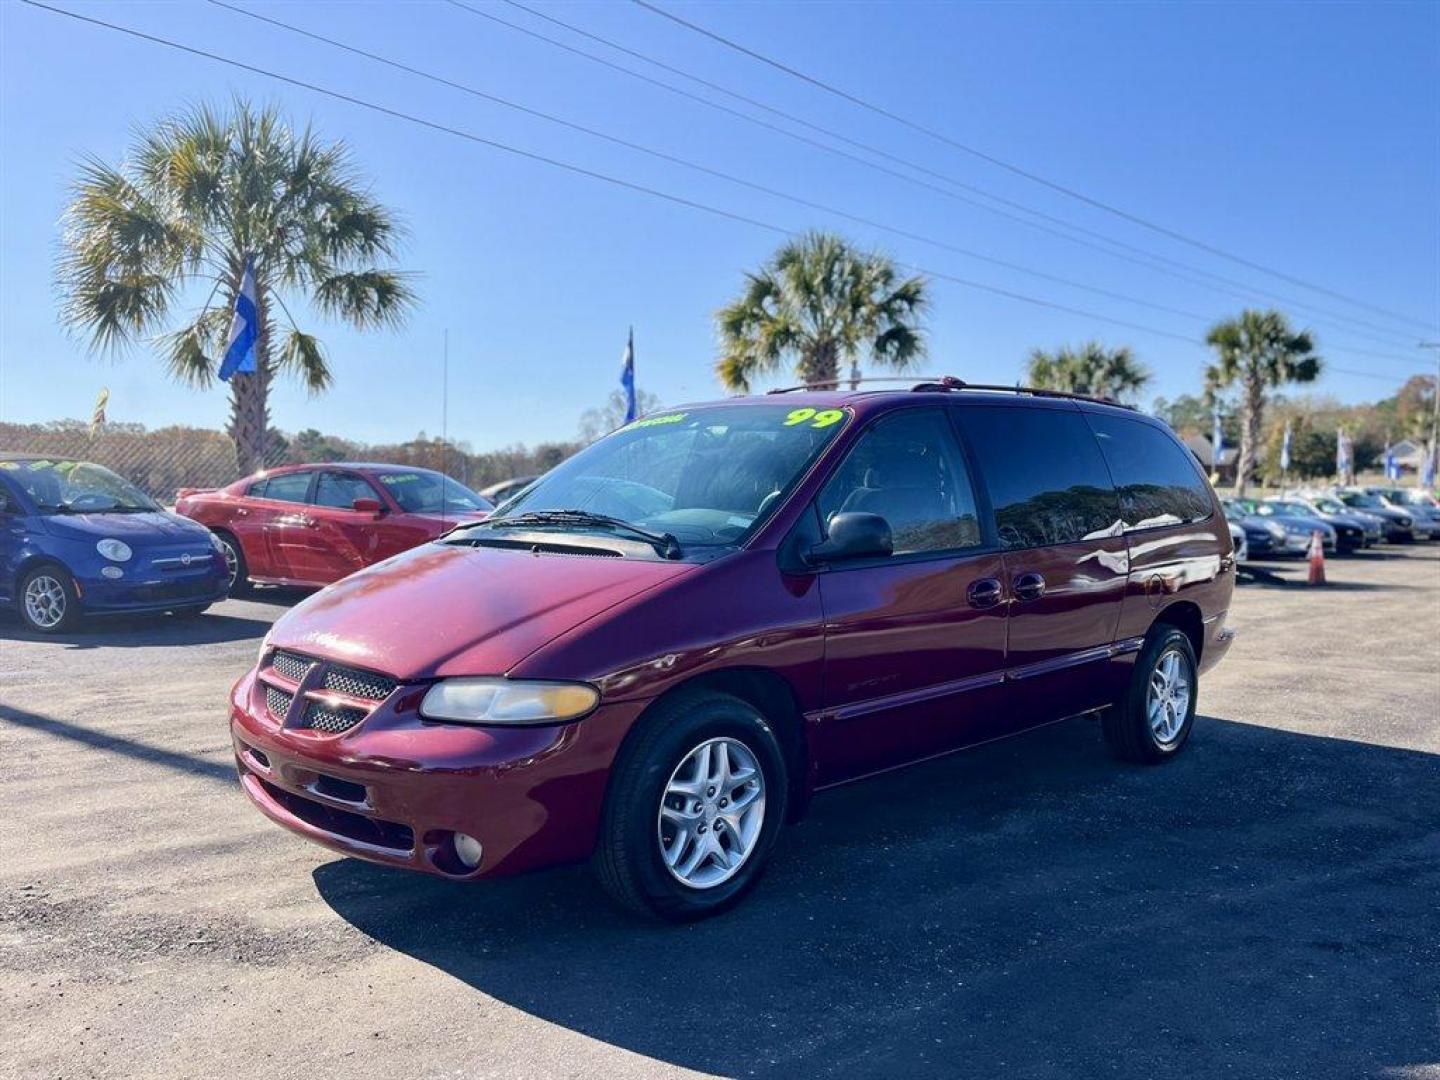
(649, 833)
(48, 602)
(235, 563)
(1152, 721)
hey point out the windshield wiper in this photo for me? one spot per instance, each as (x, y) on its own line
(663, 542)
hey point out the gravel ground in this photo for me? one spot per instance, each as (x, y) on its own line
(1267, 906)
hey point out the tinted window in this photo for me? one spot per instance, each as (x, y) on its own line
(1046, 478)
(1155, 476)
(340, 490)
(420, 491)
(289, 487)
(907, 468)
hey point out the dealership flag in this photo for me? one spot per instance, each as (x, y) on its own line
(1342, 454)
(1217, 440)
(1392, 467)
(1285, 451)
(627, 377)
(1427, 471)
(244, 327)
(97, 418)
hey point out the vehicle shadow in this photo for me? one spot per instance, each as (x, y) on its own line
(119, 631)
(1030, 908)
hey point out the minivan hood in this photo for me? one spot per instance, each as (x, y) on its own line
(137, 530)
(451, 609)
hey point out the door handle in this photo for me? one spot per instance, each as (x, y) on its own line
(984, 593)
(1029, 586)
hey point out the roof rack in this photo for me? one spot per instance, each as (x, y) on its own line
(947, 383)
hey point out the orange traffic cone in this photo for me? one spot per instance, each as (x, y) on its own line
(1317, 559)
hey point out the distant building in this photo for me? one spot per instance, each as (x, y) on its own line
(1204, 451)
(1409, 455)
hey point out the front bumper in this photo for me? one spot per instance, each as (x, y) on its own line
(148, 592)
(394, 789)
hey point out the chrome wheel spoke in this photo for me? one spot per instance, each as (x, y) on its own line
(1167, 698)
(711, 813)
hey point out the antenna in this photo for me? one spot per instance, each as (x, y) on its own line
(444, 417)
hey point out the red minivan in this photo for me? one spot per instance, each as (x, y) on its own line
(654, 656)
(309, 525)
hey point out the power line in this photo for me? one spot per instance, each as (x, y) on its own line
(1017, 170)
(1151, 260)
(586, 172)
(709, 171)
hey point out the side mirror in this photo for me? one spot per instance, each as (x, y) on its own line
(368, 506)
(854, 536)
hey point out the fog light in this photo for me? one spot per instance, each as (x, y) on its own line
(111, 572)
(468, 850)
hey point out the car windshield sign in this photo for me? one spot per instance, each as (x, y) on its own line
(78, 487)
(704, 476)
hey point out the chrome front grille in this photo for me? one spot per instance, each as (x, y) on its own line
(335, 697)
(278, 702)
(355, 683)
(333, 719)
(292, 665)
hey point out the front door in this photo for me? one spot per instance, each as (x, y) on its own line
(338, 539)
(914, 643)
(281, 509)
(1066, 558)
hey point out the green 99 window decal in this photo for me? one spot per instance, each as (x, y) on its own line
(819, 419)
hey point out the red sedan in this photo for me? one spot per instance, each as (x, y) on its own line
(310, 525)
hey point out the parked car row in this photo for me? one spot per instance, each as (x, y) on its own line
(1348, 519)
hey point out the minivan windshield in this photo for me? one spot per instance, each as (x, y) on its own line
(77, 487)
(703, 476)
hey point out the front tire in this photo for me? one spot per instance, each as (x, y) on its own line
(1152, 721)
(48, 601)
(695, 805)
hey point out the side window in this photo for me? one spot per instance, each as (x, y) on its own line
(1155, 476)
(340, 490)
(1043, 469)
(908, 469)
(257, 489)
(288, 487)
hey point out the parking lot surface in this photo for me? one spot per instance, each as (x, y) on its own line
(1266, 906)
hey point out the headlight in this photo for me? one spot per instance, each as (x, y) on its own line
(501, 701)
(114, 550)
(1275, 530)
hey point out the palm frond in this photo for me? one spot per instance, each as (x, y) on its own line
(191, 353)
(302, 355)
(368, 299)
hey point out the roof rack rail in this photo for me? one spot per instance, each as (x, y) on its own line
(946, 383)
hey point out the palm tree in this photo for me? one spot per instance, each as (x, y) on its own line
(201, 194)
(1258, 352)
(819, 301)
(1092, 369)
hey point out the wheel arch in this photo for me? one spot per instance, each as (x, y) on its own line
(772, 696)
(1185, 615)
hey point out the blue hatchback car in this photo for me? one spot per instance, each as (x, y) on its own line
(78, 540)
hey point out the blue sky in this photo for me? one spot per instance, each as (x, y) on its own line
(1305, 137)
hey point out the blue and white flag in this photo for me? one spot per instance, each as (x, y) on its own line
(1342, 455)
(627, 377)
(244, 327)
(1285, 451)
(1392, 467)
(1427, 471)
(1217, 440)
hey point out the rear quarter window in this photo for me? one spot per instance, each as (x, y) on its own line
(1048, 483)
(1156, 477)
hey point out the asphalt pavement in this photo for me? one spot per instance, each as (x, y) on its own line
(1266, 906)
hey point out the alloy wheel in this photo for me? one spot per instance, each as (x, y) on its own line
(711, 813)
(45, 601)
(1167, 700)
(232, 560)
